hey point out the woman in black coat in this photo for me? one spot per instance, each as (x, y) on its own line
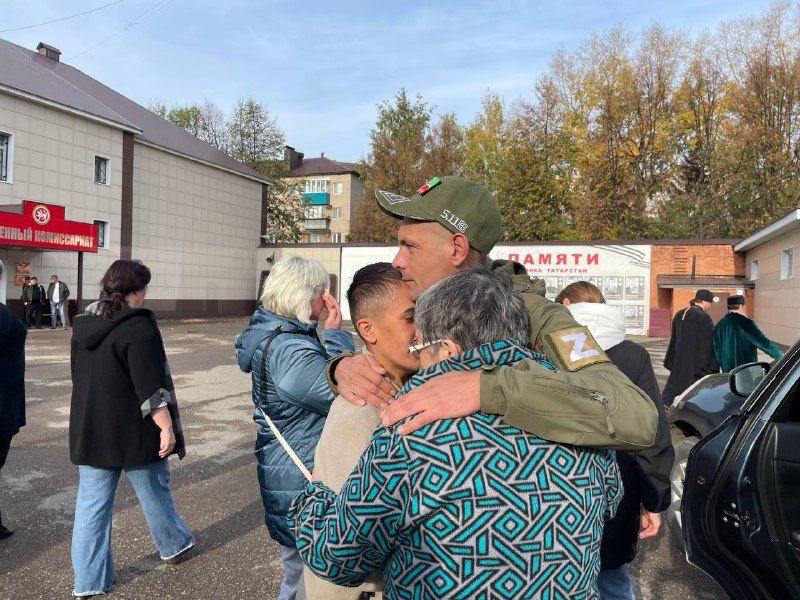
(645, 474)
(124, 417)
(12, 383)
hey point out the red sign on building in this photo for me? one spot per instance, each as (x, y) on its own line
(44, 227)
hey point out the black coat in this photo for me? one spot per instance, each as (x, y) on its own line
(645, 474)
(12, 372)
(119, 373)
(690, 355)
(34, 294)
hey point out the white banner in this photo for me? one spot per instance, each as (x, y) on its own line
(621, 272)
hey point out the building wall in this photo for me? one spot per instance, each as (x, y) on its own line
(677, 260)
(53, 162)
(777, 310)
(197, 228)
(330, 255)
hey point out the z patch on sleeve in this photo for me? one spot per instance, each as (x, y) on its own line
(575, 348)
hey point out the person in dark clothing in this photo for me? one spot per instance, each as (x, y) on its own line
(737, 338)
(12, 384)
(645, 474)
(57, 294)
(690, 355)
(123, 417)
(34, 297)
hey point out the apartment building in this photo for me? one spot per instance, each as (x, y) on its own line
(331, 191)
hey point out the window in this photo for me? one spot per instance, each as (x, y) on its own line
(337, 188)
(101, 174)
(336, 213)
(315, 212)
(6, 150)
(317, 185)
(314, 238)
(787, 263)
(754, 270)
(337, 238)
(103, 229)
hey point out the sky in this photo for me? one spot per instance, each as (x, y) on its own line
(321, 68)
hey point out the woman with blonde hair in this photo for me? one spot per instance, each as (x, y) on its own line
(645, 475)
(281, 350)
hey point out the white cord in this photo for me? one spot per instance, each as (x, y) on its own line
(295, 459)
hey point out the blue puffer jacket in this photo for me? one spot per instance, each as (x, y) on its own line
(297, 399)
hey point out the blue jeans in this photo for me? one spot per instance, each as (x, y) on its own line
(292, 573)
(57, 307)
(92, 560)
(615, 584)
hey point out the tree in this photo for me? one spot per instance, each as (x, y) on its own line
(444, 148)
(206, 121)
(652, 144)
(395, 163)
(763, 60)
(696, 206)
(255, 140)
(608, 207)
(483, 142)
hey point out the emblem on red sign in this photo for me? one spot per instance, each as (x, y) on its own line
(41, 214)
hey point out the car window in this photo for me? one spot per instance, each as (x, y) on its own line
(783, 404)
(778, 388)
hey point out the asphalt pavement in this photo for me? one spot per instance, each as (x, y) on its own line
(215, 487)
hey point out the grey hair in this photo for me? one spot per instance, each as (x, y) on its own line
(473, 307)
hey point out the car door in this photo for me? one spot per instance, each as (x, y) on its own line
(741, 506)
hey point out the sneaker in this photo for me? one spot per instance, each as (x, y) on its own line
(174, 560)
(53, 327)
(5, 532)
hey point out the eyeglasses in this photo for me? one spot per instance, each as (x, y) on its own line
(416, 348)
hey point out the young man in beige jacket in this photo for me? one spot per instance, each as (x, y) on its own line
(382, 312)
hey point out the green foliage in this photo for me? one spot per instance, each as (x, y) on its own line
(406, 150)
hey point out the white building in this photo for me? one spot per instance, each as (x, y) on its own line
(156, 193)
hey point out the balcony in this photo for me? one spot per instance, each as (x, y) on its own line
(317, 224)
(317, 198)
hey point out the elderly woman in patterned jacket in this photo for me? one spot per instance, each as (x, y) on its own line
(467, 507)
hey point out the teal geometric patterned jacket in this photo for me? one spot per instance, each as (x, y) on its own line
(464, 508)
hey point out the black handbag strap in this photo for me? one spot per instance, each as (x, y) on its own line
(261, 388)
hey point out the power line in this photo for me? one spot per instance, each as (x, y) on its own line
(63, 18)
(133, 23)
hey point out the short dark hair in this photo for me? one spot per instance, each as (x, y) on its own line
(373, 282)
(34, 277)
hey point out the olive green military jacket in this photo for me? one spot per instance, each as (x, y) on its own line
(587, 402)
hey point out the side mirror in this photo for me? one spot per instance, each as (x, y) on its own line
(745, 378)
